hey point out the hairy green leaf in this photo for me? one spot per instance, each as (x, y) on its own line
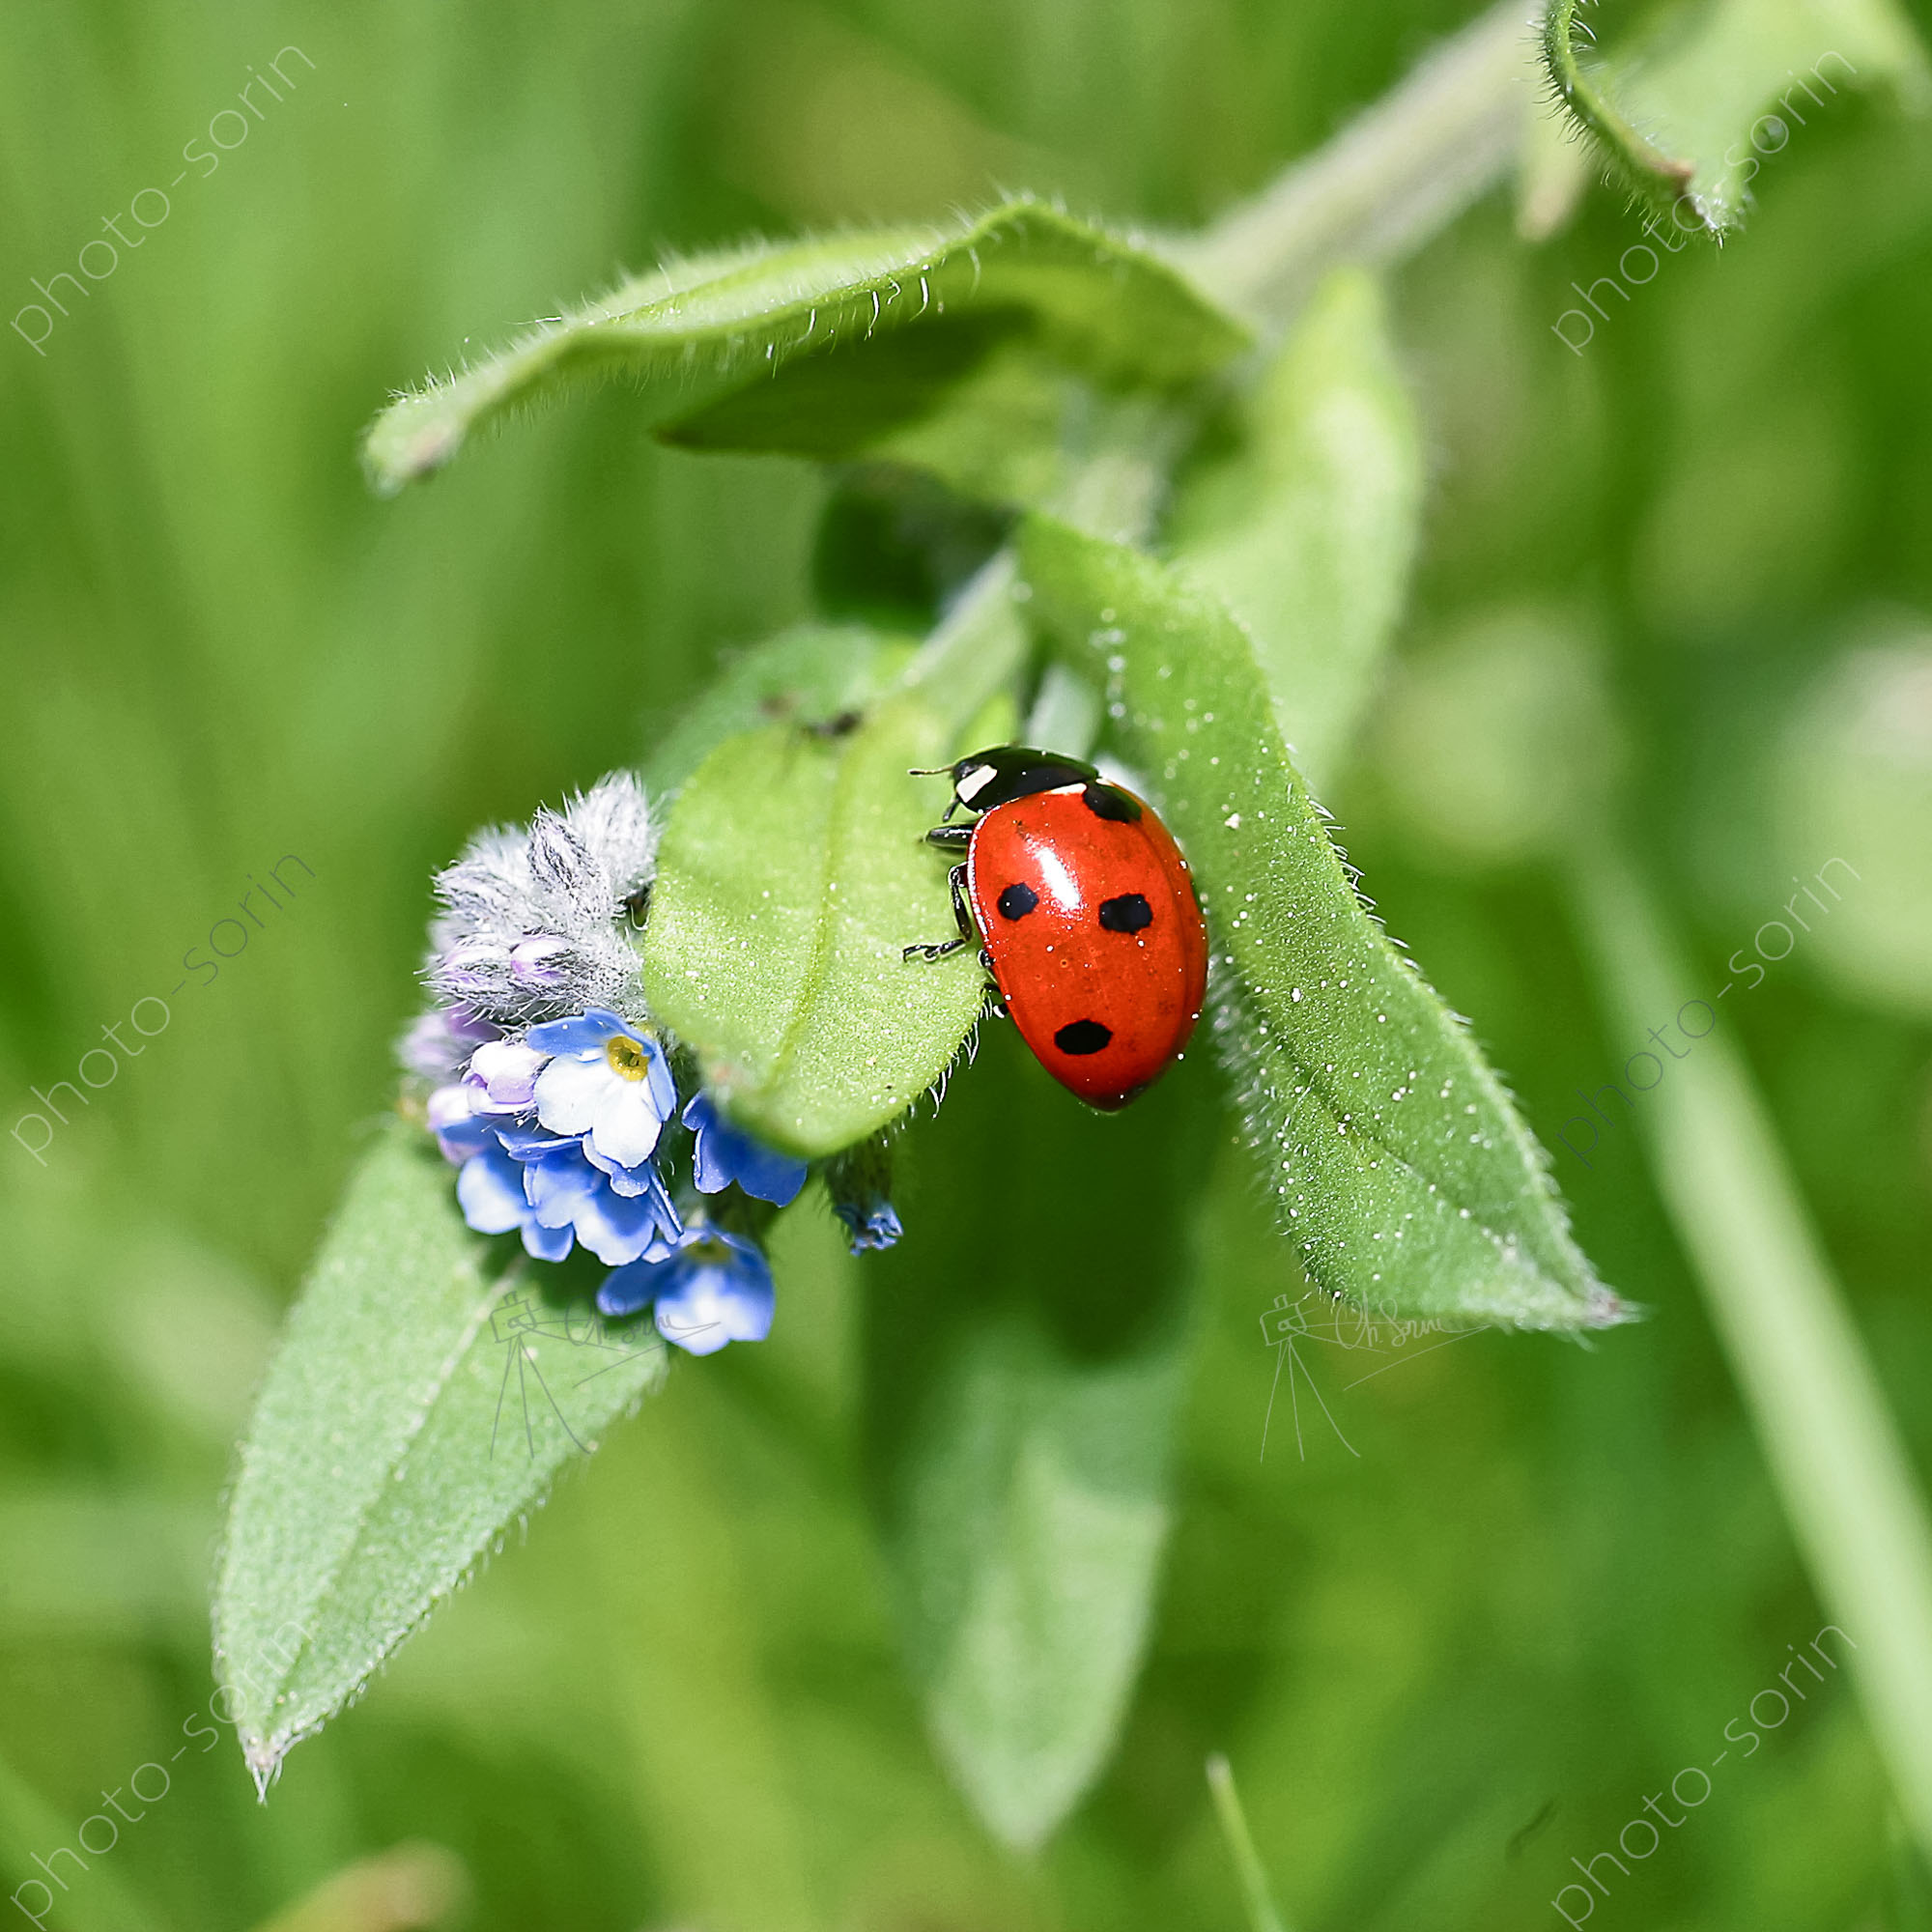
(984, 403)
(695, 332)
(814, 674)
(1691, 106)
(1026, 1348)
(1307, 526)
(791, 876)
(415, 1409)
(1396, 1161)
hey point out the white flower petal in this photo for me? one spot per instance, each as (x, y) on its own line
(625, 1128)
(568, 1093)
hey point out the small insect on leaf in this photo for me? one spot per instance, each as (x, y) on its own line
(1087, 917)
(790, 881)
(1398, 1166)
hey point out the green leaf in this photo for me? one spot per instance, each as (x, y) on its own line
(813, 674)
(695, 332)
(984, 403)
(409, 1419)
(792, 875)
(1691, 106)
(1396, 1161)
(1308, 525)
(1026, 1349)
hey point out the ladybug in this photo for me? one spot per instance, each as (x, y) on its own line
(1086, 913)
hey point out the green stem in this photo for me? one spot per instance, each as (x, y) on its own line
(1835, 1457)
(1658, 177)
(1405, 168)
(1241, 1847)
(982, 641)
(974, 648)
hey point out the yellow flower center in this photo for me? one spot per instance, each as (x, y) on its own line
(627, 1058)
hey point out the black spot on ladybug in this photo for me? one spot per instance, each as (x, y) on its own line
(1017, 900)
(1129, 913)
(1105, 800)
(1082, 1036)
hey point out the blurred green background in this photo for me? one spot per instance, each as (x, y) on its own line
(1442, 1665)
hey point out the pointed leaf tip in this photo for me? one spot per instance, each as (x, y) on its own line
(1396, 1162)
(694, 332)
(408, 1419)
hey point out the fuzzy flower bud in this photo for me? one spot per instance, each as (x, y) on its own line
(533, 923)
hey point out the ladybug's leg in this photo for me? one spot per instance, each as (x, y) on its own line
(951, 838)
(955, 879)
(968, 931)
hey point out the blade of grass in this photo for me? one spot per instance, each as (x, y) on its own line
(1241, 1847)
(1835, 1456)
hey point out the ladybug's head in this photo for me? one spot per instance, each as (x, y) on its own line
(1004, 773)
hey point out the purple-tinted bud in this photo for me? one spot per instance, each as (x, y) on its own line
(450, 1105)
(472, 970)
(426, 1048)
(471, 1027)
(439, 1041)
(530, 960)
(507, 1072)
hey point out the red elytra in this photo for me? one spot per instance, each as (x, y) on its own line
(1087, 915)
(1100, 955)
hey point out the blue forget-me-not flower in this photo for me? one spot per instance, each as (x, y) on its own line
(725, 1154)
(710, 1287)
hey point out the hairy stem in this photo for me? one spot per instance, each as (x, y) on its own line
(1402, 170)
(1659, 178)
(1116, 489)
(1835, 1457)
